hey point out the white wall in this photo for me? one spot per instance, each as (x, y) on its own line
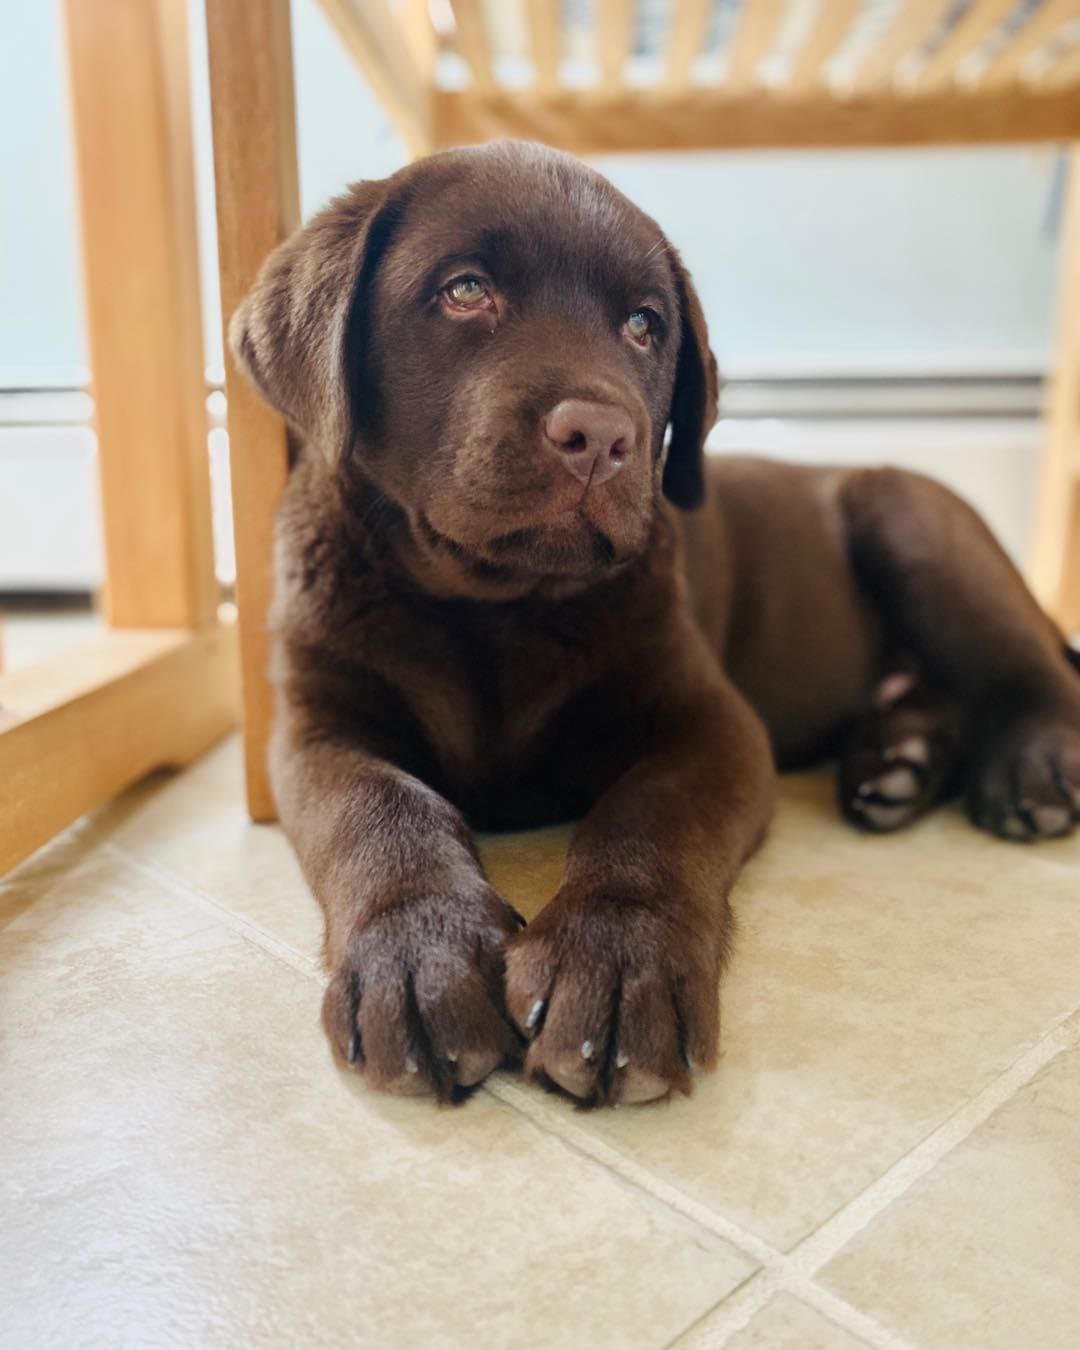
(859, 261)
(41, 333)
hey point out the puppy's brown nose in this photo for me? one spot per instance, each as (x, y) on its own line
(592, 439)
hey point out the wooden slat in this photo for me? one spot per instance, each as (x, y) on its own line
(751, 41)
(1068, 608)
(545, 36)
(982, 19)
(117, 709)
(420, 37)
(129, 81)
(1048, 19)
(1056, 542)
(831, 26)
(614, 40)
(29, 691)
(472, 41)
(689, 27)
(386, 54)
(1063, 73)
(251, 90)
(639, 120)
(913, 23)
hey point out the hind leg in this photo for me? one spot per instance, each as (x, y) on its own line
(949, 594)
(902, 756)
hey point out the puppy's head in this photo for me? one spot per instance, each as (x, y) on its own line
(497, 341)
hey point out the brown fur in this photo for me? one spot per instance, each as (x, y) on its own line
(468, 634)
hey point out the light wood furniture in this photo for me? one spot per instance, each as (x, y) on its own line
(783, 73)
(1055, 568)
(160, 685)
(258, 205)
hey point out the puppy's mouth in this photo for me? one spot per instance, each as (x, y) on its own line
(576, 548)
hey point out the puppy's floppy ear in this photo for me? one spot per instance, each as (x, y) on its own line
(694, 402)
(289, 334)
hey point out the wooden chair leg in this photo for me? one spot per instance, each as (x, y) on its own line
(1069, 608)
(132, 125)
(251, 89)
(1055, 572)
(80, 727)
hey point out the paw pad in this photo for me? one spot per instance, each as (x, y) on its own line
(890, 773)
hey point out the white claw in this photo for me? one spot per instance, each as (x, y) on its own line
(586, 1049)
(913, 749)
(411, 1065)
(451, 1055)
(534, 1014)
(622, 1060)
(898, 785)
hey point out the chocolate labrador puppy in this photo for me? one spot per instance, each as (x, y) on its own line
(511, 590)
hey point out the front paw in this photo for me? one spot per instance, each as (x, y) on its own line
(1026, 784)
(618, 997)
(415, 1002)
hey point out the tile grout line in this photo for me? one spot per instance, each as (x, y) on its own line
(836, 1232)
(774, 1274)
(845, 1315)
(183, 889)
(795, 1272)
(792, 1272)
(528, 1103)
(735, 1313)
(744, 1302)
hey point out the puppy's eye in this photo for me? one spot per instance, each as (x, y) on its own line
(640, 326)
(467, 292)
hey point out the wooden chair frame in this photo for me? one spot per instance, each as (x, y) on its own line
(159, 687)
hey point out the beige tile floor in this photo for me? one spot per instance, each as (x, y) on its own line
(889, 1154)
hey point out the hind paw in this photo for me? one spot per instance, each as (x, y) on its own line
(1027, 787)
(902, 757)
(885, 787)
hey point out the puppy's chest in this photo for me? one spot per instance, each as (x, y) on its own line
(485, 696)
